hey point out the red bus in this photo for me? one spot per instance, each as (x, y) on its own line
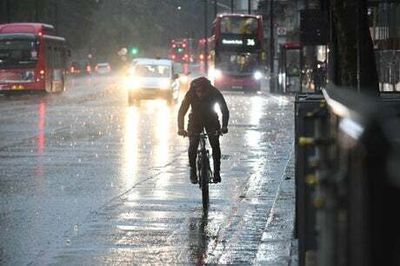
(236, 53)
(182, 51)
(32, 58)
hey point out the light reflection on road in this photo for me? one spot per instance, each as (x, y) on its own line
(41, 138)
(129, 165)
(161, 149)
(161, 132)
(253, 137)
(147, 132)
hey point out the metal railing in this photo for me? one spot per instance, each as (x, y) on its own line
(347, 178)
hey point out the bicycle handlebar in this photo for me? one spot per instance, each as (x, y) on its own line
(205, 134)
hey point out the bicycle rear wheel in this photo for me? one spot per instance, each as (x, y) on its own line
(204, 183)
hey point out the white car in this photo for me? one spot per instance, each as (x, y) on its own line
(151, 79)
(102, 68)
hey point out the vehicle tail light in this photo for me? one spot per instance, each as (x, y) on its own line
(41, 73)
(201, 57)
(88, 69)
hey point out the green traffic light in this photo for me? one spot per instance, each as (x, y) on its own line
(134, 51)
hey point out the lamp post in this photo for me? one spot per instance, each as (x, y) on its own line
(205, 36)
(55, 2)
(37, 10)
(8, 10)
(272, 47)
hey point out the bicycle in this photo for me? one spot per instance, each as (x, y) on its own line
(205, 174)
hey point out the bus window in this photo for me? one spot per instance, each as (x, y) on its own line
(18, 53)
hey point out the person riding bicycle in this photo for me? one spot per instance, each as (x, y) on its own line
(202, 97)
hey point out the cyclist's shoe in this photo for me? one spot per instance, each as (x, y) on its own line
(217, 177)
(193, 175)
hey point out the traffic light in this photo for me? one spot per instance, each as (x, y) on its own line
(134, 51)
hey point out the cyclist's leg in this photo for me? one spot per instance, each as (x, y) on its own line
(193, 129)
(193, 145)
(216, 151)
(215, 146)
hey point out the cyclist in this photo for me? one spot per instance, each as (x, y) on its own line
(202, 97)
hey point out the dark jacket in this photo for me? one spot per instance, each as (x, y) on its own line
(203, 112)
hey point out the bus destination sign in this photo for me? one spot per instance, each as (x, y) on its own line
(239, 42)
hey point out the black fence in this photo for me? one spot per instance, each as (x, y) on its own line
(388, 64)
(347, 178)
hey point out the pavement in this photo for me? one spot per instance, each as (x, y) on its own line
(278, 245)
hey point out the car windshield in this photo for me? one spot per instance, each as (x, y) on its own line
(103, 66)
(18, 53)
(237, 62)
(152, 71)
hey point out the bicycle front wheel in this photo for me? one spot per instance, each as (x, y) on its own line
(204, 183)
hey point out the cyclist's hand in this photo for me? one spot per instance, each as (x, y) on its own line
(224, 130)
(182, 132)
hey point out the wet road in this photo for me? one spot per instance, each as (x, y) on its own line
(86, 180)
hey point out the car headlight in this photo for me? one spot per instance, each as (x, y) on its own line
(184, 79)
(257, 75)
(132, 82)
(165, 84)
(131, 71)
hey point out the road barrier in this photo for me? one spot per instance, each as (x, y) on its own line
(347, 178)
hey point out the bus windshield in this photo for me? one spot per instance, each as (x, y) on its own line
(153, 71)
(18, 53)
(239, 25)
(242, 63)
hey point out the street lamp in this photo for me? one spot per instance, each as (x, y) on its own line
(272, 46)
(205, 36)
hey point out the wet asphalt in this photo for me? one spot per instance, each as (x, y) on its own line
(86, 179)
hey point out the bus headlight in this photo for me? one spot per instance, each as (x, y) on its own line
(215, 74)
(257, 75)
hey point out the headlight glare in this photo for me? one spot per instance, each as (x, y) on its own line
(215, 74)
(132, 83)
(165, 84)
(257, 75)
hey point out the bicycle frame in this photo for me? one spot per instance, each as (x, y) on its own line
(204, 170)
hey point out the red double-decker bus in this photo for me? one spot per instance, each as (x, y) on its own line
(236, 53)
(31, 58)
